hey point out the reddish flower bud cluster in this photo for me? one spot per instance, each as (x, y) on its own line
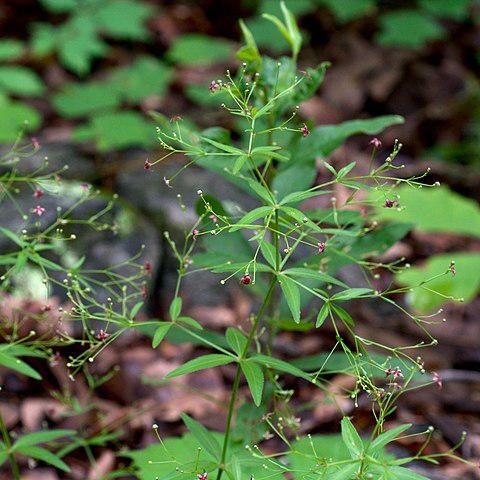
(304, 130)
(246, 279)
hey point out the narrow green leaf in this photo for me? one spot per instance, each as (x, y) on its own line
(342, 314)
(201, 363)
(189, 321)
(387, 437)
(160, 333)
(292, 296)
(323, 314)
(351, 438)
(223, 146)
(250, 217)
(352, 293)
(282, 366)
(300, 217)
(345, 170)
(19, 366)
(239, 163)
(248, 53)
(204, 437)
(40, 453)
(402, 473)
(345, 472)
(314, 274)
(135, 309)
(261, 191)
(12, 236)
(268, 252)
(175, 308)
(330, 168)
(41, 437)
(292, 28)
(236, 340)
(255, 379)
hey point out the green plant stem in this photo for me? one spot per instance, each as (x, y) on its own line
(238, 373)
(8, 444)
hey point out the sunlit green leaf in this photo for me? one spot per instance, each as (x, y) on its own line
(201, 363)
(255, 379)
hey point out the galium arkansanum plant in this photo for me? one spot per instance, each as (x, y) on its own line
(286, 255)
(290, 258)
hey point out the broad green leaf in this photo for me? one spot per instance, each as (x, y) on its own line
(204, 437)
(117, 130)
(16, 117)
(144, 78)
(18, 365)
(252, 216)
(297, 178)
(351, 438)
(44, 455)
(124, 19)
(442, 210)
(236, 340)
(323, 140)
(292, 295)
(408, 28)
(10, 49)
(255, 379)
(81, 99)
(20, 80)
(42, 437)
(201, 363)
(160, 333)
(198, 49)
(322, 315)
(449, 9)
(346, 10)
(465, 284)
(78, 44)
(387, 437)
(268, 252)
(351, 293)
(175, 308)
(281, 365)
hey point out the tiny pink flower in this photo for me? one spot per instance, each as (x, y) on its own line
(246, 279)
(452, 269)
(166, 181)
(396, 372)
(147, 165)
(389, 203)
(54, 359)
(144, 292)
(304, 130)
(375, 142)
(195, 233)
(102, 336)
(176, 118)
(436, 378)
(213, 218)
(147, 268)
(202, 476)
(321, 247)
(36, 143)
(38, 193)
(213, 86)
(38, 210)
(85, 186)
